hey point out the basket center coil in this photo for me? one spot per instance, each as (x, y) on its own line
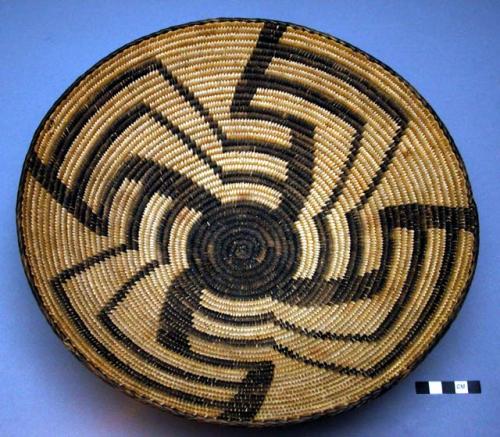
(243, 250)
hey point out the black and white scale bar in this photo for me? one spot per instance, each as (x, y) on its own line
(447, 387)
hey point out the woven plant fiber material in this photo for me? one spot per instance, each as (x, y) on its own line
(247, 222)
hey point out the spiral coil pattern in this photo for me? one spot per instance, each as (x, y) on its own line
(246, 222)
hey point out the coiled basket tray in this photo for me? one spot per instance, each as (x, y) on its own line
(247, 222)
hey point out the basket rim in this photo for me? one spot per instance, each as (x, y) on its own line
(70, 345)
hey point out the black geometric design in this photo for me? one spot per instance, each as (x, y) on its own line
(244, 250)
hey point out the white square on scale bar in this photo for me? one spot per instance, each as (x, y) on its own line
(461, 387)
(435, 388)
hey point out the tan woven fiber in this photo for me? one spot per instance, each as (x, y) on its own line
(247, 222)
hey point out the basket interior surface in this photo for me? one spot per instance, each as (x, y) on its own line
(246, 222)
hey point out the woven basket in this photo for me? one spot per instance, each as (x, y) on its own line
(246, 222)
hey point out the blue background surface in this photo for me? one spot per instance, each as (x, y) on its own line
(448, 50)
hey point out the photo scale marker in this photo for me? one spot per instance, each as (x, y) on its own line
(447, 387)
